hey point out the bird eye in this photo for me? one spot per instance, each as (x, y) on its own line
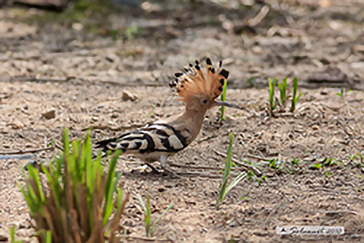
(204, 101)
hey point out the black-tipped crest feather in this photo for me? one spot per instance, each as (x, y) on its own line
(196, 81)
(224, 73)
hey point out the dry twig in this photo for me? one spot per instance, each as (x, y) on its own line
(256, 171)
(208, 138)
(205, 167)
(143, 239)
(32, 151)
(258, 157)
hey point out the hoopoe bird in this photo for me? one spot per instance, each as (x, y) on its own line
(161, 139)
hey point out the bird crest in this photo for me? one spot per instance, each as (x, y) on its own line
(193, 81)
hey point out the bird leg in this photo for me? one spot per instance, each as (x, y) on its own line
(155, 170)
(163, 161)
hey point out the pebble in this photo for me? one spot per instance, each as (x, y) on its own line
(16, 125)
(128, 95)
(323, 92)
(49, 114)
(3, 236)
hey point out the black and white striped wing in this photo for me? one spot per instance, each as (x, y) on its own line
(149, 139)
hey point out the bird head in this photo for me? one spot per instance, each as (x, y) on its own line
(199, 90)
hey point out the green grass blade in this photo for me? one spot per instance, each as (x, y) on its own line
(56, 168)
(28, 193)
(55, 188)
(66, 142)
(160, 216)
(294, 98)
(34, 174)
(90, 173)
(12, 234)
(111, 173)
(227, 170)
(271, 89)
(109, 189)
(80, 158)
(298, 97)
(223, 98)
(27, 198)
(109, 204)
(48, 237)
(32, 196)
(141, 202)
(229, 156)
(283, 91)
(148, 219)
(234, 183)
(147, 214)
(119, 200)
(270, 85)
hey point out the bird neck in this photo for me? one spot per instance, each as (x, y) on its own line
(195, 115)
(193, 119)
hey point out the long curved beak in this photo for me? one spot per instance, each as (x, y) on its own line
(227, 104)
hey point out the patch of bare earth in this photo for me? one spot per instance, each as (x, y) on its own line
(56, 76)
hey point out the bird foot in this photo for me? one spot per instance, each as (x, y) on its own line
(164, 171)
(154, 170)
(169, 172)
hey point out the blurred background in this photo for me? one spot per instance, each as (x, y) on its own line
(319, 41)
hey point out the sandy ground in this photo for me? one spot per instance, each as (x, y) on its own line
(81, 76)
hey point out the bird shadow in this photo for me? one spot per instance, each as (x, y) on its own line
(145, 175)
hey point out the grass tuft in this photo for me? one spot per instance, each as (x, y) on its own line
(149, 226)
(342, 92)
(273, 101)
(224, 187)
(254, 178)
(74, 202)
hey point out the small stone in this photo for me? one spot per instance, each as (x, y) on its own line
(77, 26)
(323, 92)
(95, 118)
(261, 233)
(128, 95)
(16, 124)
(171, 236)
(315, 127)
(49, 114)
(161, 189)
(3, 236)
